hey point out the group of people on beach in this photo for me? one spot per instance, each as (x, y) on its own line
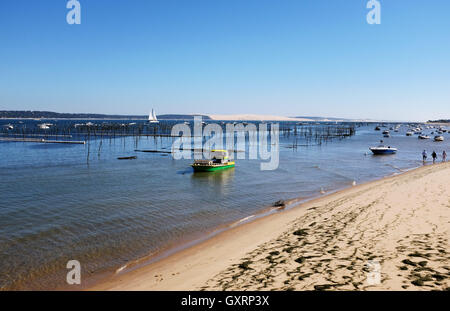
(434, 156)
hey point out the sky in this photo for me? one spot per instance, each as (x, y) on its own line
(279, 57)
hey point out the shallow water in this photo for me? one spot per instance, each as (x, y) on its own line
(56, 206)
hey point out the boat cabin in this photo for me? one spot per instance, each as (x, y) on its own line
(219, 156)
(218, 159)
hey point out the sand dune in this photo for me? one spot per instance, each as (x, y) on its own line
(253, 117)
(397, 226)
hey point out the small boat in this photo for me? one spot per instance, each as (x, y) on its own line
(152, 117)
(438, 138)
(8, 126)
(424, 137)
(387, 135)
(382, 149)
(409, 133)
(219, 161)
(377, 128)
(385, 132)
(44, 126)
(127, 158)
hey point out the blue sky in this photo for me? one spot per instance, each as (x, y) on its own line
(285, 57)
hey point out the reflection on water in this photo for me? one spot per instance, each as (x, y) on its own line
(217, 182)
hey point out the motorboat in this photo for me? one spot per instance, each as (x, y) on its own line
(382, 149)
(44, 126)
(438, 138)
(219, 160)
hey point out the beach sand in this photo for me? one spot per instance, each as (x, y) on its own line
(389, 234)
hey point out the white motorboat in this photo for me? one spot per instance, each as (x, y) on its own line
(382, 149)
(44, 126)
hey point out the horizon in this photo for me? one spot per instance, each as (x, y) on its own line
(312, 117)
(254, 57)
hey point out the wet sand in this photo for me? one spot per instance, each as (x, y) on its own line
(389, 234)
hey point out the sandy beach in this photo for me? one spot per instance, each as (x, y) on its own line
(389, 234)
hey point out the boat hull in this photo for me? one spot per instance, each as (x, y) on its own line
(379, 152)
(211, 168)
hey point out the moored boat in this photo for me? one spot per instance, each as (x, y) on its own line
(219, 161)
(438, 138)
(44, 126)
(382, 149)
(424, 137)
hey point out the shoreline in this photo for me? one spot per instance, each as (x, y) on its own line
(194, 266)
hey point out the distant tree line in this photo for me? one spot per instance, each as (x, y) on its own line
(56, 115)
(439, 121)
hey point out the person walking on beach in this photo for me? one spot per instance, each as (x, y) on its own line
(424, 155)
(434, 156)
(444, 156)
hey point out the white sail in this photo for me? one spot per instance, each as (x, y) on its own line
(152, 117)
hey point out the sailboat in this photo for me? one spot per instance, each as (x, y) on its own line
(152, 117)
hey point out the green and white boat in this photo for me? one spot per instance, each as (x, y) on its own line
(219, 161)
